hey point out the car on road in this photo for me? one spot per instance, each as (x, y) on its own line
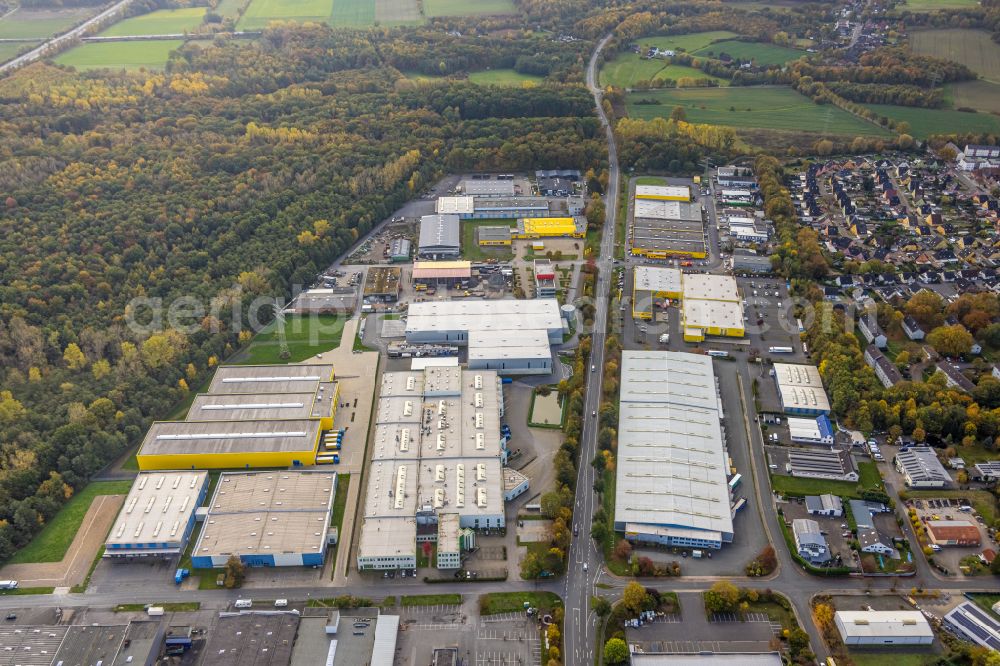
(593, 413)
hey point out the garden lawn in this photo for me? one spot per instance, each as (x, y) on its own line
(799, 485)
(55, 538)
(503, 77)
(159, 22)
(762, 107)
(306, 337)
(434, 8)
(120, 55)
(925, 122)
(513, 602)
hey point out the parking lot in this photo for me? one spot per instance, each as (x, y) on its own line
(950, 509)
(494, 640)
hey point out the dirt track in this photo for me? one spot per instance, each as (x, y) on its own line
(72, 570)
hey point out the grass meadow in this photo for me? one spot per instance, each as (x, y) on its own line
(159, 22)
(925, 122)
(760, 52)
(120, 55)
(760, 107)
(306, 337)
(434, 8)
(980, 95)
(24, 23)
(689, 43)
(503, 77)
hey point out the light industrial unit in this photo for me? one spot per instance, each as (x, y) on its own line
(972, 623)
(489, 208)
(524, 352)
(663, 192)
(320, 404)
(800, 389)
(487, 188)
(549, 227)
(651, 284)
(811, 431)
(437, 450)
(921, 468)
(672, 486)
(884, 628)
(293, 378)
(158, 515)
(439, 237)
(834, 464)
(267, 518)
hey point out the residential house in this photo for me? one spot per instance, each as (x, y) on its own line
(872, 332)
(885, 369)
(912, 329)
(809, 542)
(871, 540)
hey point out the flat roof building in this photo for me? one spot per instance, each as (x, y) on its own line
(453, 321)
(883, 628)
(522, 352)
(672, 473)
(439, 237)
(508, 208)
(711, 306)
(811, 431)
(651, 284)
(499, 235)
(745, 261)
(272, 519)
(382, 283)
(662, 228)
(324, 300)
(158, 515)
(921, 468)
(550, 227)
(972, 623)
(463, 206)
(266, 406)
(800, 389)
(663, 192)
(291, 378)
(437, 450)
(252, 637)
(825, 505)
(431, 272)
(229, 444)
(707, 658)
(488, 188)
(833, 464)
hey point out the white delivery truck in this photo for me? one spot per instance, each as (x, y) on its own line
(154, 611)
(8, 584)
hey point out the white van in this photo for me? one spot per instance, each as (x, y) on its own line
(280, 603)
(243, 603)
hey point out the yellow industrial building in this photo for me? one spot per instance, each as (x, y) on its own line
(712, 306)
(663, 192)
(529, 228)
(251, 417)
(229, 444)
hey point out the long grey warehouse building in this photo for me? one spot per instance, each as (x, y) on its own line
(439, 237)
(453, 321)
(158, 515)
(672, 486)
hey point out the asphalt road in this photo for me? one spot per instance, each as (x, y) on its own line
(584, 558)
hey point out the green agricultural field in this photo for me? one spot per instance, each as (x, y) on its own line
(55, 538)
(931, 5)
(689, 43)
(925, 122)
(627, 69)
(761, 53)
(418, 77)
(10, 49)
(261, 12)
(760, 107)
(230, 8)
(433, 8)
(980, 95)
(397, 12)
(41, 22)
(502, 77)
(306, 336)
(120, 55)
(160, 22)
(352, 13)
(973, 48)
